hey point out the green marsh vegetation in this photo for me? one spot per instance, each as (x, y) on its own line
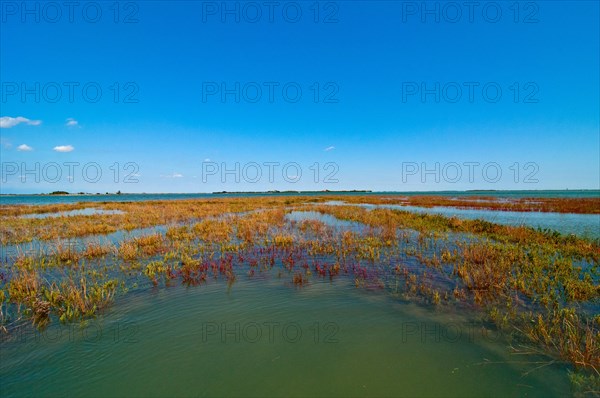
(539, 288)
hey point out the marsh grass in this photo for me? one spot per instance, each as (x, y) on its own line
(541, 286)
(555, 205)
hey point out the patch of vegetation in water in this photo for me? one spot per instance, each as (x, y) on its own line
(529, 283)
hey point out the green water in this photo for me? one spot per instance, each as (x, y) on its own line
(265, 337)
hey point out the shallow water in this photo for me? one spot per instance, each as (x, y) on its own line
(326, 219)
(134, 197)
(587, 225)
(41, 247)
(79, 212)
(268, 338)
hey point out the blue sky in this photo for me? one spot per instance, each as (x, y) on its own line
(379, 102)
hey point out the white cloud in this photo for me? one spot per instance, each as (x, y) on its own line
(64, 148)
(72, 122)
(174, 175)
(207, 160)
(7, 122)
(329, 148)
(24, 148)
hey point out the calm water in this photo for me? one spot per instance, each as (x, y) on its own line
(80, 212)
(587, 225)
(54, 199)
(267, 338)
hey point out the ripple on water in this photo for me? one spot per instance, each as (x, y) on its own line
(268, 338)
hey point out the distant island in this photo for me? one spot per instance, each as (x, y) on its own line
(78, 193)
(299, 192)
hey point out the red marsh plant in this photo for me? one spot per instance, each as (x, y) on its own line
(524, 279)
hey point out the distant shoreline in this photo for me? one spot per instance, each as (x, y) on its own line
(275, 192)
(299, 192)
